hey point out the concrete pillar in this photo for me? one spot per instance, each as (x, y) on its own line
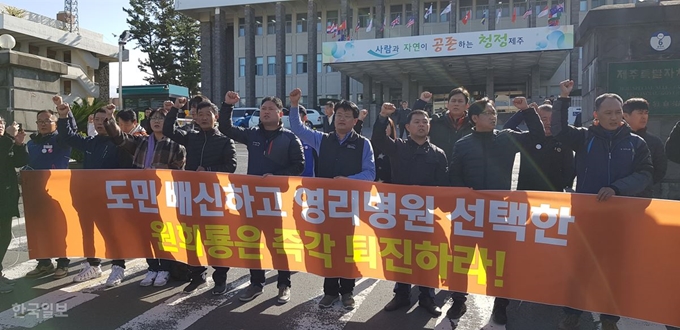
(492, 15)
(206, 59)
(23, 47)
(387, 96)
(536, 84)
(453, 16)
(574, 54)
(42, 51)
(59, 55)
(409, 89)
(250, 56)
(312, 42)
(379, 96)
(415, 7)
(367, 92)
(490, 91)
(280, 66)
(379, 18)
(344, 17)
(218, 64)
(531, 20)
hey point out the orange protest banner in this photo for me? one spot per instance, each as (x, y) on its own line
(553, 248)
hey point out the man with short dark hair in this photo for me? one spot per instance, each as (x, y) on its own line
(416, 152)
(342, 154)
(207, 150)
(483, 160)
(448, 127)
(636, 114)
(329, 123)
(610, 161)
(272, 150)
(127, 121)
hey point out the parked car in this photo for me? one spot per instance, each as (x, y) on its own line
(241, 116)
(313, 119)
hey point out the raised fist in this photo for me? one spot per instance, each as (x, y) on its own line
(167, 105)
(13, 129)
(232, 98)
(63, 110)
(110, 108)
(388, 109)
(180, 102)
(90, 119)
(20, 136)
(57, 100)
(566, 87)
(362, 114)
(295, 96)
(426, 96)
(520, 102)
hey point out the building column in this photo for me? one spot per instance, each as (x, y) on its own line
(312, 45)
(536, 84)
(206, 59)
(574, 54)
(101, 77)
(280, 66)
(531, 22)
(344, 17)
(379, 19)
(218, 65)
(490, 92)
(453, 16)
(250, 56)
(379, 100)
(24, 47)
(367, 92)
(387, 96)
(492, 15)
(415, 7)
(59, 56)
(409, 89)
(42, 51)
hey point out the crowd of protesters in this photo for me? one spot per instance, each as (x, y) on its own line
(460, 147)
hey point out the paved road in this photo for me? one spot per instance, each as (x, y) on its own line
(93, 306)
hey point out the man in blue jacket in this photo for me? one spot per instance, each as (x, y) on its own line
(47, 151)
(272, 150)
(100, 153)
(610, 160)
(343, 153)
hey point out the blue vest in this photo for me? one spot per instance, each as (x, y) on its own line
(45, 153)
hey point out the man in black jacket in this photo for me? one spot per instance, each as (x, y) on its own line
(636, 114)
(546, 166)
(272, 150)
(207, 150)
(416, 152)
(403, 118)
(448, 127)
(673, 144)
(329, 123)
(483, 160)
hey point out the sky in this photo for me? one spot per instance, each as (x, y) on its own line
(104, 17)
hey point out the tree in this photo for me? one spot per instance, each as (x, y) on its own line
(170, 39)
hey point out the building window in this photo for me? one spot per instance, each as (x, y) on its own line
(596, 3)
(271, 65)
(332, 17)
(67, 56)
(319, 63)
(271, 24)
(396, 10)
(330, 69)
(332, 96)
(33, 49)
(442, 6)
(619, 2)
(304, 99)
(540, 6)
(51, 54)
(504, 6)
(301, 23)
(67, 87)
(241, 66)
(480, 10)
(364, 16)
(408, 12)
(289, 23)
(318, 21)
(289, 64)
(241, 27)
(259, 61)
(301, 64)
(435, 13)
(465, 7)
(258, 26)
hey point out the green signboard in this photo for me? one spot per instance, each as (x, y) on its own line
(656, 81)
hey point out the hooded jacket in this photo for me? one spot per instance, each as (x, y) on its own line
(659, 160)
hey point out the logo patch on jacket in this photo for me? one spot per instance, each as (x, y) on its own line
(351, 146)
(256, 144)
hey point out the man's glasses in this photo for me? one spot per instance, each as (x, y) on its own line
(44, 122)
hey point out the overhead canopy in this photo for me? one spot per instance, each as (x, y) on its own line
(454, 59)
